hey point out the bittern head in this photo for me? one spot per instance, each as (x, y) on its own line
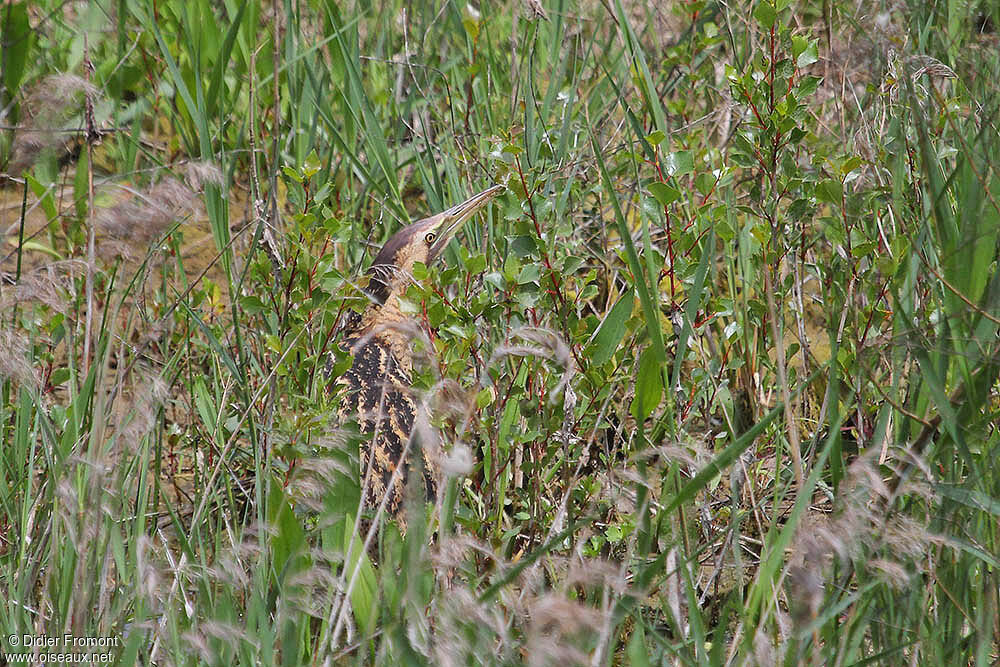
(422, 241)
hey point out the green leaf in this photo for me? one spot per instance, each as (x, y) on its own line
(484, 398)
(612, 329)
(799, 44)
(288, 543)
(808, 85)
(529, 274)
(664, 193)
(808, 56)
(705, 183)
(59, 376)
(364, 594)
(765, 14)
(203, 403)
(311, 165)
(571, 264)
(648, 386)
(495, 279)
(863, 249)
(222, 62)
(41, 247)
(476, 263)
(830, 191)
(679, 162)
(251, 305)
(850, 165)
(18, 38)
(45, 198)
(656, 138)
(638, 655)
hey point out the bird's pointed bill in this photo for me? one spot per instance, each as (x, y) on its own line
(456, 216)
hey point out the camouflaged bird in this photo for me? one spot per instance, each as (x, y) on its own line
(379, 394)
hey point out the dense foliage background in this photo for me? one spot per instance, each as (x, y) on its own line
(714, 381)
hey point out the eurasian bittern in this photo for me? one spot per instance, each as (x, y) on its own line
(378, 383)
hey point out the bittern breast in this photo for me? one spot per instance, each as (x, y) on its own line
(380, 397)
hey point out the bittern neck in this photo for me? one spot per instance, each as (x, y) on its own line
(391, 327)
(383, 315)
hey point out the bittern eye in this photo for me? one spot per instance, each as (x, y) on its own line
(429, 237)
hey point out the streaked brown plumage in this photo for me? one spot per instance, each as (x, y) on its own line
(378, 394)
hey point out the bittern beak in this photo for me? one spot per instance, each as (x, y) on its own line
(450, 221)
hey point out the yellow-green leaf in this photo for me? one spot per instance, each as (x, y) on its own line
(611, 330)
(648, 386)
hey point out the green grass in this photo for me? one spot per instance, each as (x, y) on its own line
(716, 379)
